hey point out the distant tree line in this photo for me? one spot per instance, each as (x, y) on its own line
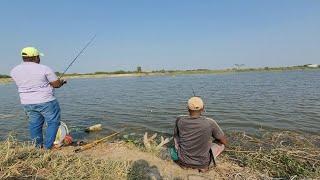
(174, 71)
(139, 70)
(236, 68)
(115, 72)
(4, 76)
(300, 67)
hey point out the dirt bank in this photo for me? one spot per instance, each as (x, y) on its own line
(147, 165)
(284, 155)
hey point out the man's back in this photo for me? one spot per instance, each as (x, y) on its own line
(33, 80)
(195, 136)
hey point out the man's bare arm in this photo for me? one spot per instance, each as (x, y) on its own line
(58, 83)
(217, 133)
(175, 138)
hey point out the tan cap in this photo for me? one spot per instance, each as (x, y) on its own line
(195, 103)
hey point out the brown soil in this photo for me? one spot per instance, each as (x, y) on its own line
(155, 168)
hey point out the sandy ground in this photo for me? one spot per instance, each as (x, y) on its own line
(156, 168)
(5, 80)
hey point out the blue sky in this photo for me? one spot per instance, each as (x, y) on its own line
(166, 34)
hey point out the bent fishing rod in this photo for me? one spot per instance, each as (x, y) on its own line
(82, 50)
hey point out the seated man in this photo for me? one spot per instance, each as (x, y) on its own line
(198, 139)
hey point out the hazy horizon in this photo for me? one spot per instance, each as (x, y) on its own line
(152, 70)
(162, 34)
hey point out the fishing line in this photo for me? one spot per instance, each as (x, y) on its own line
(82, 50)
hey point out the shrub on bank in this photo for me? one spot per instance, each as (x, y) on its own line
(4, 76)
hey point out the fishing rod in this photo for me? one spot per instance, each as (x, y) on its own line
(82, 50)
(194, 94)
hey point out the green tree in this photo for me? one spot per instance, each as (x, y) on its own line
(139, 69)
(58, 73)
(4, 76)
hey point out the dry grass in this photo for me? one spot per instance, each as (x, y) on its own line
(23, 161)
(5, 80)
(285, 155)
(282, 155)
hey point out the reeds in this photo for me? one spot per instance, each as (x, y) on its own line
(278, 154)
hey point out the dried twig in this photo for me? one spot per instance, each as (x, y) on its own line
(150, 143)
(163, 142)
(147, 141)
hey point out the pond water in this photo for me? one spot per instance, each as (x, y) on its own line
(238, 101)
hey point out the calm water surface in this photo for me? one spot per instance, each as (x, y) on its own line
(241, 102)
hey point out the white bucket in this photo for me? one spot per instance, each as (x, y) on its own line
(61, 133)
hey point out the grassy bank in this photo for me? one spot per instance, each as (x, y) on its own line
(185, 72)
(24, 161)
(7, 79)
(195, 71)
(285, 154)
(278, 155)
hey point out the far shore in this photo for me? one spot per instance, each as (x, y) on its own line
(175, 72)
(5, 80)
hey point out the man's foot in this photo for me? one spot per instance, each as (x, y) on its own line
(56, 147)
(204, 170)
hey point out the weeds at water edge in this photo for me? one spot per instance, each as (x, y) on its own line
(19, 161)
(282, 155)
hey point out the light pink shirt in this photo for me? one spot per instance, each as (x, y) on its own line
(32, 80)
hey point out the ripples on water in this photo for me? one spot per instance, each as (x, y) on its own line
(241, 101)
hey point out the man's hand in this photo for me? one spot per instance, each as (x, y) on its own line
(63, 81)
(58, 83)
(223, 140)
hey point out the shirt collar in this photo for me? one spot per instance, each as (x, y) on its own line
(28, 62)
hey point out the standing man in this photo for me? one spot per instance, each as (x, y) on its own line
(198, 139)
(36, 83)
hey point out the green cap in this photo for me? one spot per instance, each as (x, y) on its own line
(30, 52)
